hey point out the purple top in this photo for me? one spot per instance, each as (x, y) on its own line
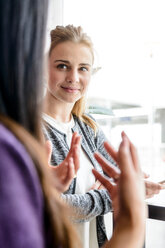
(21, 199)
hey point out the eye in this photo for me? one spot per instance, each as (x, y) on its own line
(62, 66)
(83, 68)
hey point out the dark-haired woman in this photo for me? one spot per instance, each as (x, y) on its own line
(31, 214)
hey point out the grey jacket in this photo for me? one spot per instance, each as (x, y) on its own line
(95, 203)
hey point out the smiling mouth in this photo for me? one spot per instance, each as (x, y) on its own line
(69, 89)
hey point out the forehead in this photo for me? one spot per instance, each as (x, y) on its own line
(72, 52)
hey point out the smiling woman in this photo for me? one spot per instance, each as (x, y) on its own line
(70, 65)
(69, 73)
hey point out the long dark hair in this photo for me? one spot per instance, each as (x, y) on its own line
(22, 27)
(22, 30)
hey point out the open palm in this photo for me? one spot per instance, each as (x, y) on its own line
(67, 170)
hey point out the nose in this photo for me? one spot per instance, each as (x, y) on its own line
(72, 76)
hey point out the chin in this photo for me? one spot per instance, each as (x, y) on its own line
(71, 100)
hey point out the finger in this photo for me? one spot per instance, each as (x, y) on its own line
(96, 185)
(149, 196)
(104, 181)
(162, 182)
(133, 151)
(152, 187)
(48, 147)
(72, 143)
(145, 175)
(70, 153)
(110, 150)
(125, 157)
(71, 173)
(162, 185)
(77, 140)
(101, 186)
(76, 157)
(76, 152)
(108, 168)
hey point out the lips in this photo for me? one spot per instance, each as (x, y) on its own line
(70, 89)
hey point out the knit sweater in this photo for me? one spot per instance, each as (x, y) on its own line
(95, 203)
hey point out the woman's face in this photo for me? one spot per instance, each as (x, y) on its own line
(70, 66)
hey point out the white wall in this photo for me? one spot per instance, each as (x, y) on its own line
(129, 37)
(55, 17)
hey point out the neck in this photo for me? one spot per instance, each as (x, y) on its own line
(57, 109)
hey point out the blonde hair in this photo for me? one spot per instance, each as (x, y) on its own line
(75, 34)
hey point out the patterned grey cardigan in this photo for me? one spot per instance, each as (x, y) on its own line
(95, 203)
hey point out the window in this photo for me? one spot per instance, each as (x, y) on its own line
(129, 40)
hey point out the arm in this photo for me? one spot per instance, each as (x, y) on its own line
(89, 205)
(21, 200)
(86, 206)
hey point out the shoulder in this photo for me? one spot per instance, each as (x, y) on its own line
(10, 146)
(16, 165)
(82, 124)
(51, 132)
(86, 128)
(21, 195)
(12, 149)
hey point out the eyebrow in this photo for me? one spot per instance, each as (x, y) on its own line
(85, 64)
(63, 61)
(67, 62)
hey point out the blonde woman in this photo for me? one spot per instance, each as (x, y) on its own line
(70, 64)
(70, 67)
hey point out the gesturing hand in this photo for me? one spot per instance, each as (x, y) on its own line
(127, 193)
(127, 190)
(66, 171)
(152, 188)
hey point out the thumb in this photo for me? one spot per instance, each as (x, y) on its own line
(48, 148)
(145, 175)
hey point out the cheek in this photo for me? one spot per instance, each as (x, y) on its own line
(86, 83)
(52, 83)
(54, 79)
(52, 76)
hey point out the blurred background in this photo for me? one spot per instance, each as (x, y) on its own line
(127, 89)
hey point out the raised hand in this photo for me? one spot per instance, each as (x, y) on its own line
(112, 172)
(127, 194)
(152, 188)
(66, 171)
